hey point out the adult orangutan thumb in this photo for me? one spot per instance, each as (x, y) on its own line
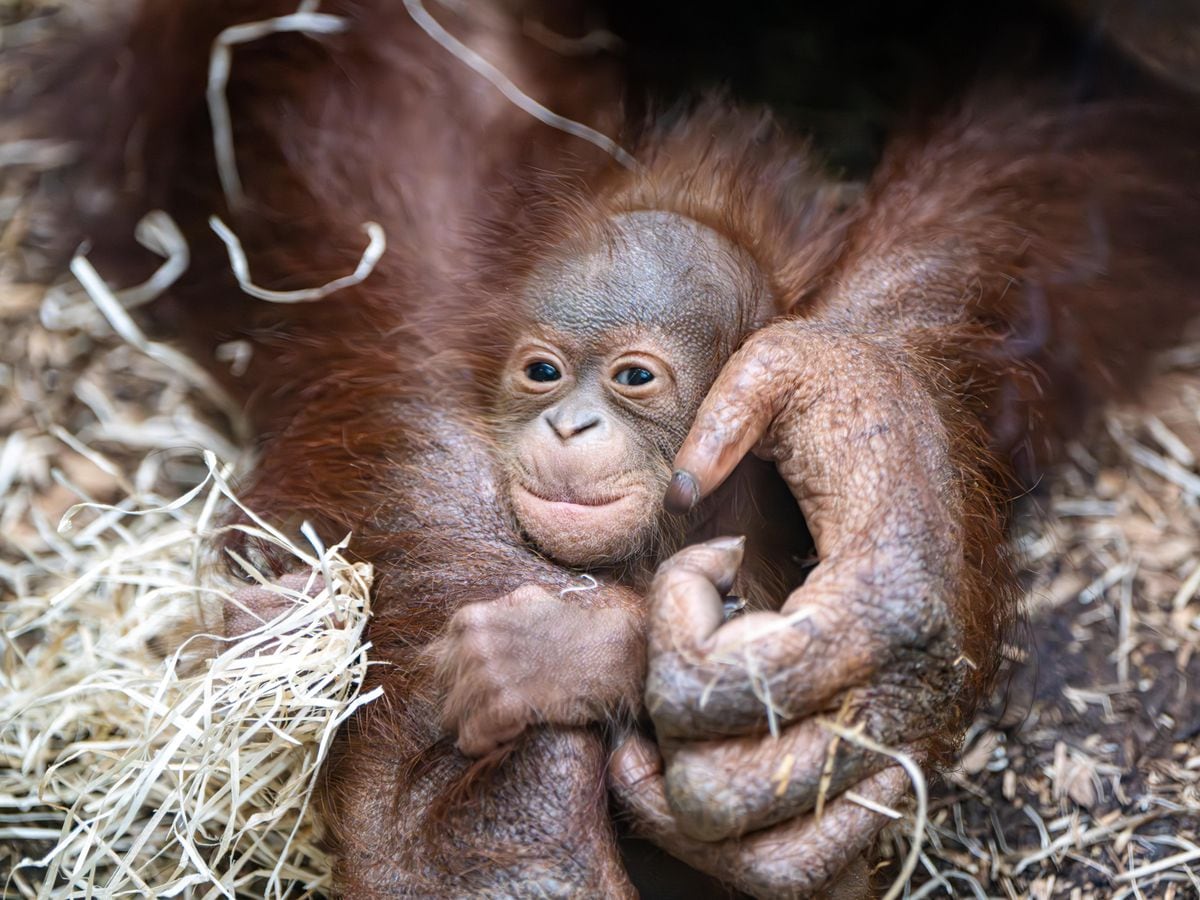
(635, 760)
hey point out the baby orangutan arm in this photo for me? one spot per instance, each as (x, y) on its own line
(540, 656)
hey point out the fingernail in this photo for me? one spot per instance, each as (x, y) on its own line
(682, 494)
(728, 543)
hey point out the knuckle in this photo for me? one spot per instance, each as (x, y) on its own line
(672, 575)
(526, 593)
(772, 339)
(492, 681)
(908, 703)
(507, 730)
(472, 617)
(681, 700)
(664, 678)
(690, 567)
(673, 563)
(475, 644)
(508, 711)
(670, 715)
(705, 806)
(919, 619)
(458, 657)
(770, 351)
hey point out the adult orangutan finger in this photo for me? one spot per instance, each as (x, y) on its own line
(723, 789)
(760, 668)
(803, 856)
(685, 597)
(734, 417)
(634, 760)
(793, 859)
(694, 686)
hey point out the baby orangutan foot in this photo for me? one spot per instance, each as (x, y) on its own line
(254, 605)
(534, 657)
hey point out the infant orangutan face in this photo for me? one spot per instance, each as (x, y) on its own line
(601, 388)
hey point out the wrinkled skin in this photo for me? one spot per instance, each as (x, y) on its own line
(893, 407)
(868, 639)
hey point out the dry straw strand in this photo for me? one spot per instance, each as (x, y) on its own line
(306, 21)
(511, 92)
(241, 267)
(170, 774)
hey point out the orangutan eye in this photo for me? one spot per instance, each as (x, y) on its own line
(634, 376)
(542, 371)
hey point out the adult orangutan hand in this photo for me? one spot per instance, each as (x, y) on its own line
(753, 785)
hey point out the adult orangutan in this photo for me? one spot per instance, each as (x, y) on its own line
(1010, 263)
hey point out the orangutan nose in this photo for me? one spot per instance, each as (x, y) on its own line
(570, 422)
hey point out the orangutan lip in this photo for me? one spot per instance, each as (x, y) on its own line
(573, 501)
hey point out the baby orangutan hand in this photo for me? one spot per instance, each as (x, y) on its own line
(533, 656)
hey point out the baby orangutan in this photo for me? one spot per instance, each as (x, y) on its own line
(625, 334)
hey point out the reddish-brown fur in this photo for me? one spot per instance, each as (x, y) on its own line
(1015, 263)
